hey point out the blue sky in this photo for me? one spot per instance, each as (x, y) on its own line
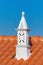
(10, 15)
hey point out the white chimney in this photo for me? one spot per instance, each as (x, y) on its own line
(23, 47)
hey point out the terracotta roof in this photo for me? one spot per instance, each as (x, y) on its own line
(8, 51)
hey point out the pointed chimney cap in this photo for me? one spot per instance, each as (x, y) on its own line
(23, 25)
(23, 13)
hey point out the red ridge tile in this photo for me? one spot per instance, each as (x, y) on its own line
(40, 61)
(36, 57)
(7, 53)
(3, 44)
(19, 62)
(7, 59)
(5, 47)
(12, 61)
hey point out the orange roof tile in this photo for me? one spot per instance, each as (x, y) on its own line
(8, 51)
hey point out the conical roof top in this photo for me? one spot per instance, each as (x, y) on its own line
(23, 24)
